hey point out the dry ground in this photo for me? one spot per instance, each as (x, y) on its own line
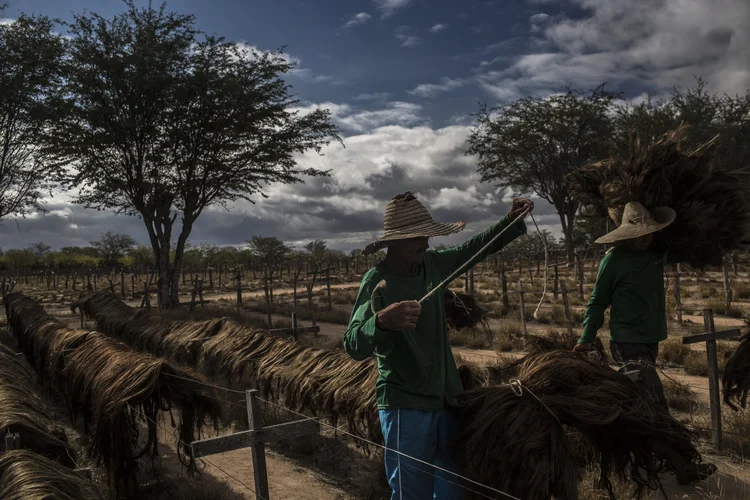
(291, 477)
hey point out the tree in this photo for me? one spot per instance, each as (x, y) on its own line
(112, 247)
(269, 250)
(532, 144)
(40, 249)
(317, 249)
(30, 72)
(706, 115)
(141, 256)
(163, 123)
(20, 259)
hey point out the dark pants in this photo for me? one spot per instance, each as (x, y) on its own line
(641, 357)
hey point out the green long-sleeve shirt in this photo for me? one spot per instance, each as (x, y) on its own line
(632, 282)
(416, 368)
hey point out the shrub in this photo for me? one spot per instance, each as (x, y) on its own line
(673, 351)
(679, 396)
(737, 432)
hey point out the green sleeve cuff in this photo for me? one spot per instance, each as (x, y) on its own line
(371, 331)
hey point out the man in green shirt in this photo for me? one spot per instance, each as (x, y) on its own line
(416, 369)
(631, 281)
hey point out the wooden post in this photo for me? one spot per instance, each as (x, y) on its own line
(677, 294)
(523, 307)
(211, 279)
(239, 290)
(580, 277)
(727, 288)
(268, 298)
(260, 474)
(557, 280)
(531, 276)
(111, 286)
(122, 285)
(471, 281)
(734, 264)
(504, 286)
(132, 286)
(713, 378)
(294, 326)
(566, 307)
(193, 294)
(710, 337)
(328, 287)
(200, 292)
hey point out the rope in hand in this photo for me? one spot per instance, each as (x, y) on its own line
(546, 258)
(460, 269)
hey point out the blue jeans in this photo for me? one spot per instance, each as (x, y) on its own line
(425, 436)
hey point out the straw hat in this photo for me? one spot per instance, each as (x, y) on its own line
(638, 221)
(405, 218)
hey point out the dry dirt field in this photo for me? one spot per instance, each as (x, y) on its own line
(326, 467)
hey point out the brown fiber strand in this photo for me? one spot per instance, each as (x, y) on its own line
(102, 379)
(23, 411)
(632, 439)
(736, 379)
(27, 476)
(713, 209)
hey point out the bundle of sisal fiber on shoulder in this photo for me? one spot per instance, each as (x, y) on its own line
(713, 209)
(736, 380)
(556, 393)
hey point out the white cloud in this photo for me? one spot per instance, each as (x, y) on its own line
(655, 44)
(389, 7)
(306, 74)
(438, 28)
(406, 37)
(433, 89)
(360, 120)
(5, 21)
(539, 18)
(358, 19)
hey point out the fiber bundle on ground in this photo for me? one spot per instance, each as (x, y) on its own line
(736, 379)
(22, 411)
(713, 209)
(302, 378)
(633, 439)
(462, 310)
(27, 476)
(111, 387)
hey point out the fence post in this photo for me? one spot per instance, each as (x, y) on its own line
(557, 280)
(677, 294)
(727, 288)
(294, 326)
(471, 281)
(566, 307)
(200, 292)
(523, 306)
(328, 286)
(713, 379)
(504, 286)
(260, 474)
(239, 290)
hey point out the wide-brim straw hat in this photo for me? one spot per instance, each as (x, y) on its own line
(637, 221)
(405, 218)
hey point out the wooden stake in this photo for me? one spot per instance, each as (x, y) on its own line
(677, 294)
(566, 306)
(260, 474)
(523, 307)
(727, 288)
(713, 379)
(504, 286)
(328, 286)
(557, 280)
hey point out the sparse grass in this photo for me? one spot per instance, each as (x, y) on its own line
(673, 351)
(706, 292)
(344, 297)
(737, 431)
(473, 338)
(719, 306)
(679, 396)
(695, 364)
(741, 291)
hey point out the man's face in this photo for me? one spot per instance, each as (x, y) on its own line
(410, 251)
(642, 243)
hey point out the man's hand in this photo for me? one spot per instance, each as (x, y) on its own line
(399, 316)
(584, 348)
(519, 205)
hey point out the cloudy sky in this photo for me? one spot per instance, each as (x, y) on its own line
(402, 77)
